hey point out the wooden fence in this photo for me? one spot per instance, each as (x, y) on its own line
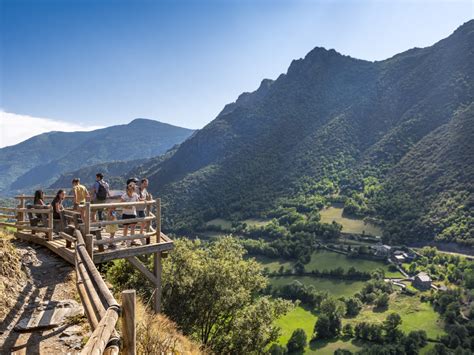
(79, 239)
(101, 308)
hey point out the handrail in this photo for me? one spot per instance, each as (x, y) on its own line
(30, 197)
(102, 310)
(96, 206)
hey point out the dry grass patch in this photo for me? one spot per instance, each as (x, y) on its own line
(156, 334)
(12, 276)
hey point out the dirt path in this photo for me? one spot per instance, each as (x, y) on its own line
(47, 316)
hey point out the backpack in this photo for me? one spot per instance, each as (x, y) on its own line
(102, 191)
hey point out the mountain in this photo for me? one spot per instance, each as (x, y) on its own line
(329, 118)
(112, 170)
(430, 191)
(39, 161)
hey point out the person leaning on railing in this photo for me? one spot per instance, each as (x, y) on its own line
(100, 193)
(144, 195)
(57, 204)
(129, 212)
(81, 196)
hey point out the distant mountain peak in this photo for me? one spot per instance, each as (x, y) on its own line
(141, 120)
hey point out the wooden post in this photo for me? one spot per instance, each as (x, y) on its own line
(50, 223)
(89, 241)
(21, 215)
(157, 268)
(158, 220)
(148, 224)
(128, 323)
(87, 222)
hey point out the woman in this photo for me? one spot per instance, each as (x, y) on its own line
(57, 204)
(39, 198)
(39, 201)
(130, 212)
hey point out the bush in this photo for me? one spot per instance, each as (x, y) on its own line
(277, 349)
(297, 342)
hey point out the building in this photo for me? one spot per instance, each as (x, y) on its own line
(382, 250)
(399, 256)
(422, 281)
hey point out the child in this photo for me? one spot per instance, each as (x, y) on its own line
(112, 228)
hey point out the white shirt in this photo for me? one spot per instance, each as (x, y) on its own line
(144, 197)
(126, 198)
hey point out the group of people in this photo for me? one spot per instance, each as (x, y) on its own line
(136, 191)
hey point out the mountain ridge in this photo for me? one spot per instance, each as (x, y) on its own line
(330, 116)
(38, 161)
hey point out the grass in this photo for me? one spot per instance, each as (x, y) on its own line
(349, 225)
(302, 318)
(337, 288)
(327, 260)
(219, 222)
(328, 347)
(296, 318)
(415, 315)
(256, 222)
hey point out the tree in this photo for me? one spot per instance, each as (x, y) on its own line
(329, 323)
(343, 352)
(322, 327)
(390, 325)
(392, 322)
(277, 349)
(212, 293)
(382, 301)
(297, 342)
(348, 331)
(353, 306)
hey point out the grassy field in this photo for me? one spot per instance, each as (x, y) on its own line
(415, 315)
(302, 318)
(219, 222)
(336, 288)
(297, 318)
(327, 260)
(256, 222)
(329, 347)
(349, 225)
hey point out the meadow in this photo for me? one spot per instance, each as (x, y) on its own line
(349, 225)
(415, 315)
(327, 260)
(336, 288)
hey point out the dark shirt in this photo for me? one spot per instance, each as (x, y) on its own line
(55, 203)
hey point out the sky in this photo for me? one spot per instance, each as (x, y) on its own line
(81, 64)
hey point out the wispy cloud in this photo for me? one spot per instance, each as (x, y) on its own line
(15, 128)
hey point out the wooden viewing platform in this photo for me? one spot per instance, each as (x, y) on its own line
(83, 242)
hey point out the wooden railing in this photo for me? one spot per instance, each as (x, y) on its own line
(100, 306)
(79, 240)
(19, 221)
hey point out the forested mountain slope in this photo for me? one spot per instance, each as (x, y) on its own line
(330, 116)
(430, 192)
(40, 160)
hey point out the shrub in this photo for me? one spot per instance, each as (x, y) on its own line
(297, 342)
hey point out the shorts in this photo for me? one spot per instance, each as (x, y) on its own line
(129, 216)
(141, 214)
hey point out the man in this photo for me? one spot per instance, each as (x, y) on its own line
(144, 196)
(81, 195)
(101, 192)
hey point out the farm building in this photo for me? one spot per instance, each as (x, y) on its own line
(382, 250)
(422, 281)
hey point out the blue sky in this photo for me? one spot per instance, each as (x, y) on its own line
(104, 62)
